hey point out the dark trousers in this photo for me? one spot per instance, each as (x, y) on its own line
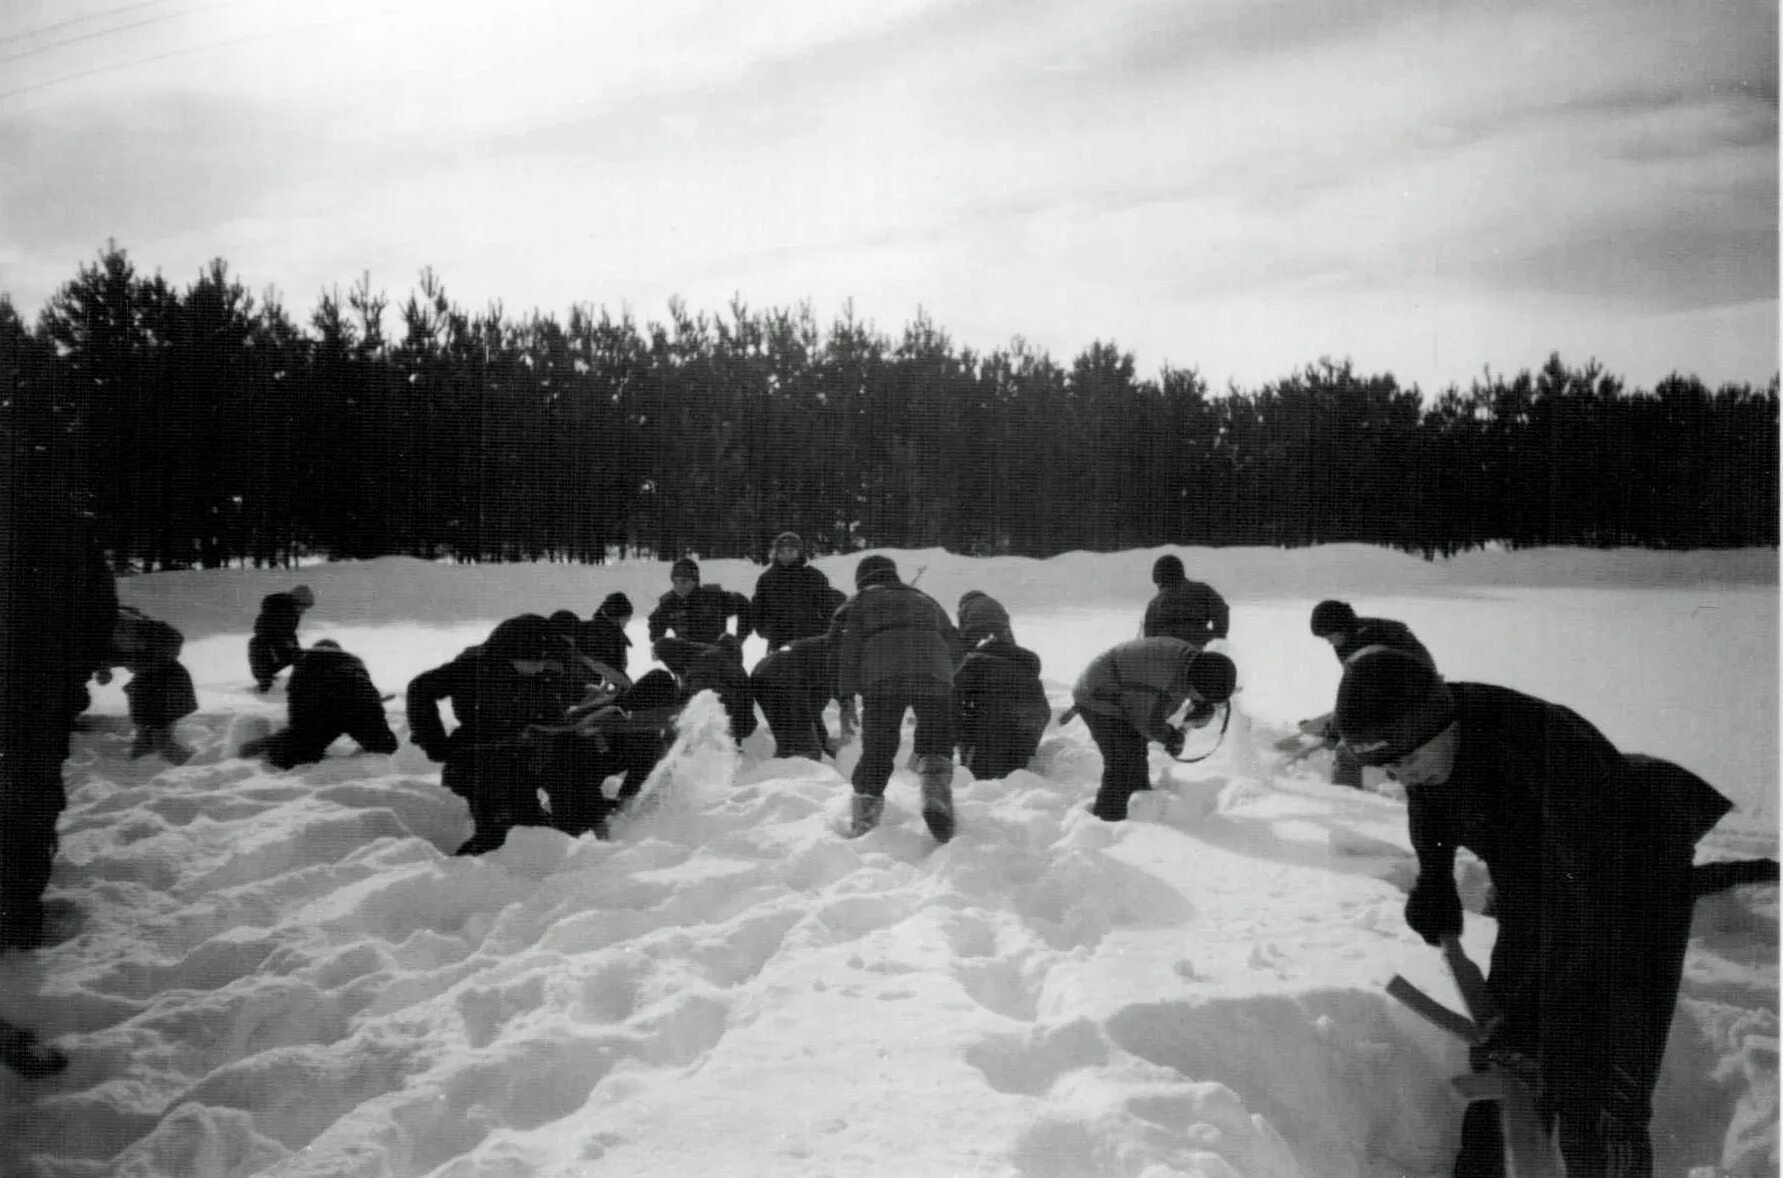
(502, 788)
(1603, 1109)
(882, 721)
(268, 656)
(32, 798)
(1124, 767)
(307, 744)
(796, 723)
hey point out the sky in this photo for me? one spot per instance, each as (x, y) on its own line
(288, 974)
(1433, 189)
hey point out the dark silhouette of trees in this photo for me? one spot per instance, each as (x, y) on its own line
(204, 427)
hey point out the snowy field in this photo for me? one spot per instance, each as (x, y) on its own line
(287, 973)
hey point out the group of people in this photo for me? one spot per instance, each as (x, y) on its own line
(1590, 849)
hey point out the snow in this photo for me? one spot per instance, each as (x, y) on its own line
(260, 972)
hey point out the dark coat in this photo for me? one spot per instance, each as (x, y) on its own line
(892, 634)
(721, 670)
(604, 640)
(1382, 632)
(1188, 610)
(1000, 707)
(1571, 831)
(1143, 681)
(701, 615)
(492, 701)
(793, 601)
(278, 618)
(160, 695)
(793, 685)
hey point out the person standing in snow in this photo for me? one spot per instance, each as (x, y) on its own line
(331, 695)
(160, 690)
(274, 645)
(695, 614)
(896, 648)
(1126, 697)
(1336, 622)
(1000, 707)
(793, 599)
(1185, 609)
(499, 691)
(1590, 852)
(793, 685)
(58, 608)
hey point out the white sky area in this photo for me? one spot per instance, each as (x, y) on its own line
(1431, 189)
(288, 974)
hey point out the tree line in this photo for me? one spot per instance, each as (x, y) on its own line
(204, 427)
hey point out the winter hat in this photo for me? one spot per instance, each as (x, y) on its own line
(617, 605)
(685, 567)
(564, 623)
(874, 570)
(1332, 617)
(325, 644)
(789, 540)
(1389, 703)
(303, 597)
(528, 637)
(1168, 570)
(1212, 676)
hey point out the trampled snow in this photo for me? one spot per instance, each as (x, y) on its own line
(287, 973)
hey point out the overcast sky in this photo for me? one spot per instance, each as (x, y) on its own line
(1429, 187)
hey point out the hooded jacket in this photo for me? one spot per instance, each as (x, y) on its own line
(1145, 681)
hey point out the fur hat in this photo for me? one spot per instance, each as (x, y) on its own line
(1332, 617)
(1389, 703)
(789, 540)
(527, 636)
(875, 570)
(616, 605)
(685, 567)
(325, 644)
(303, 596)
(1212, 676)
(1168, 570)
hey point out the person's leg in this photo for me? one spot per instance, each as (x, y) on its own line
(882, 721)
(1124, 768)
(31, 800)
(934, 759)
(262, 661)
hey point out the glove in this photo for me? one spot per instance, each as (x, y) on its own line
(1433, 910)
(1173, 742)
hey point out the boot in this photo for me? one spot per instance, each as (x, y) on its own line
(936, 774)
(867, 812)
(171, 750)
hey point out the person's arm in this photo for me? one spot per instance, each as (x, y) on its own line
(659, 621)
(744, 613)
(425, 729)
(1219, 614)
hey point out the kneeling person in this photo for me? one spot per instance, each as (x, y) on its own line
(331, 695)
(1000, 708)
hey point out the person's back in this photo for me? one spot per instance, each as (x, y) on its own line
(1394, 635)
(331, 695)
(895, 633)
(1185, 609)
(1001, 708)
(719, 668)
(793, 685)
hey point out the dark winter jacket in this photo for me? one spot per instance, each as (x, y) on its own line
(891, 634)
(793, 601)
(982, 616)
(719, 668)
(1188, 610)
(1145, 681)
(333, 689)
(492, 701)
(278, 619)
(996, 690)
(1382, 632)
(1569, 829)
(701, 615)
(804, 669)
(58, 604)
(605, 641)
(160, 695)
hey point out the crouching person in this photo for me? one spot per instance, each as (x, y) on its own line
(718, 668)
(896, 647)
(624, 734)
(331, 695)
(1000, 707)
(1126, 697)
(793, 685)
(160, 690)
(515, 680)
